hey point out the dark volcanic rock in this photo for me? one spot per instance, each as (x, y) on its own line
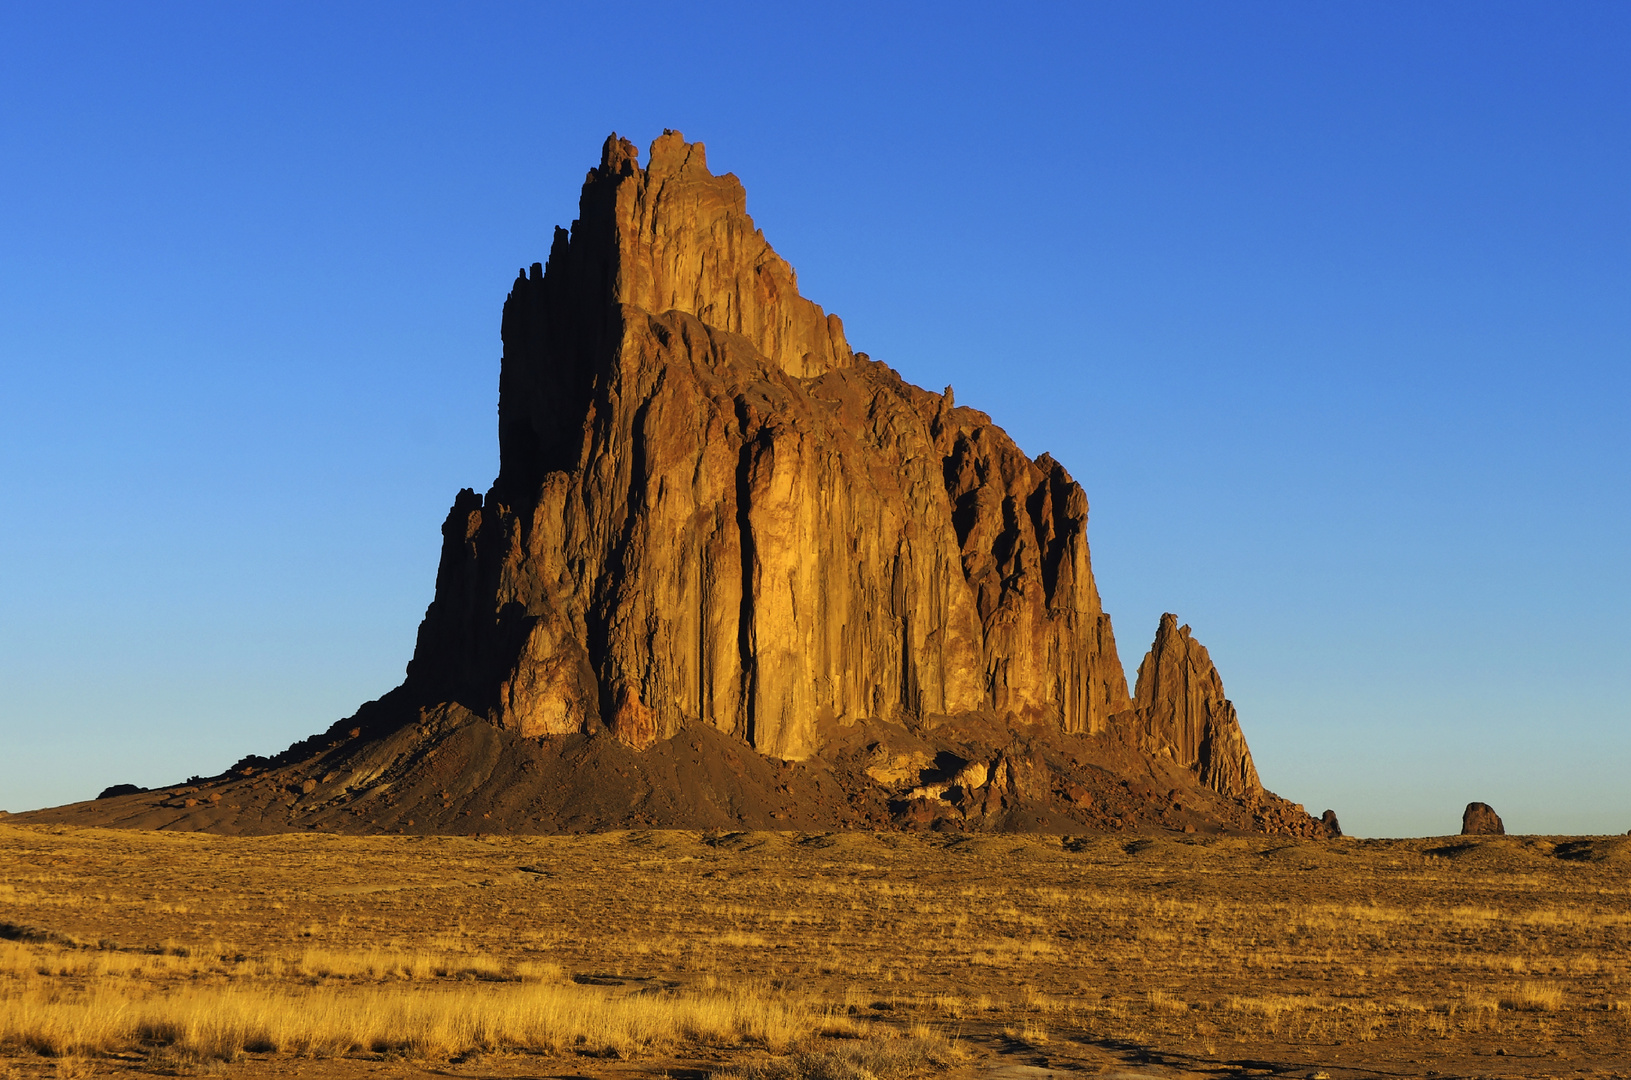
(734, 574)
(1480, 819)
(1329, 820)
(120, 789)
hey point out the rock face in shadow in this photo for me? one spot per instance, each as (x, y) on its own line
(1480, 819)
(733, 573)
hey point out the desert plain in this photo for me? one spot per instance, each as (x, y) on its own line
(782, 955)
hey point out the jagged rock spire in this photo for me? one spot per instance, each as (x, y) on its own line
(1182, 713)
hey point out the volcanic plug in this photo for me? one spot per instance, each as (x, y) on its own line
(733, 573)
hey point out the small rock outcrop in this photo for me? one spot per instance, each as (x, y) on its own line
(1480, 819)
(733, 573)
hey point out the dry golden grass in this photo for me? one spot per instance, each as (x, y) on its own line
(224, 1023)
(767, 954)
(1534, 997)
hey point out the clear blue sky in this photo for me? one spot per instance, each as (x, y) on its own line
(1328, 306)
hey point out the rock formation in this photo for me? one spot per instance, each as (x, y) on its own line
(709, 510)
(1480, 819)
(717, 527)
(1182, 713)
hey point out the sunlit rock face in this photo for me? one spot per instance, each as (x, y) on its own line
(1181, 713)
(711, 510)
